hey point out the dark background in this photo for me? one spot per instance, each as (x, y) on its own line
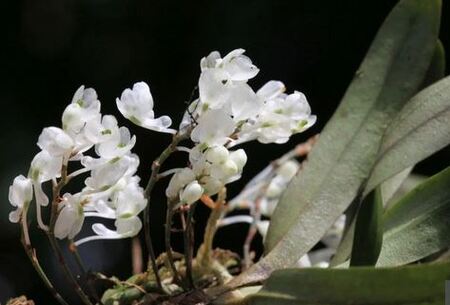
(49, 48)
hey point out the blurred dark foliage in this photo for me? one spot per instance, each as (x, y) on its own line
(49, 48)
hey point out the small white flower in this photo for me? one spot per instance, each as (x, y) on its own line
(20, 195)
(137, 106)
(84, 108)
(107, 174)
(214, 128)
(191, 193)
(236, 99)
(130, 201)
(45, 167)
(70, 218)
(280, 118)
(117, 146)
(237, 66)
(101, 129)
(55, 141)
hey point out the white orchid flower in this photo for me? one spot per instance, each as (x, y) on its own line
(20, 196)
(237, 66)
(55, 141)
(129, 201)
(213, 128)
(136, 105)
(101, 129)
(117, 146)
(280, 117)
(236, 99)
(109, 173)
(70, 218)
(85, 107)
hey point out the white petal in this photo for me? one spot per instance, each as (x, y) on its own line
(21, 191)
(214, 128)
(55, 140)
(240, 68)
(137, 105)
(14, 216)
(45, 167)
(271, 90)
(210, 61)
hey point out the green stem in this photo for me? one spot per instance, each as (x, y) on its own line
(67, 272)
(54, 243)
(188, 233)
(156, 166)
(173, 269)
(82, 268)
(35, 263)
(204, 254)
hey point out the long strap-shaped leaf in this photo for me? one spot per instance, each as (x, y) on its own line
(413, 285)
(419, 224)
(345, 153)
(419, 130)
(389, 188)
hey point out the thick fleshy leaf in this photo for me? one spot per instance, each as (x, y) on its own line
(436, 70)
(368, 230)
(412, 285)
(389, 188)
(341, 161)
(417, 226)
(418, 131)
(401, 183)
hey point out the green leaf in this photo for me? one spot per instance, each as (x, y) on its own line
(342, 159)
(410, 183)
(368, 230)
(392, 185)
(412, 285)
(401, 183)
(418, 131)
(389, 189)
(418, 225)
(436, 70)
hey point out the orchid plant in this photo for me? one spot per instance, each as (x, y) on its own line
(335, 202)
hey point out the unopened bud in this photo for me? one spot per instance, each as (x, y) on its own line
(191, 193)
(217, 154)
(239, 157)
(288, 170)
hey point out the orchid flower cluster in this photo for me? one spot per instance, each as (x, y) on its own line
(111, 189)
(227, 112)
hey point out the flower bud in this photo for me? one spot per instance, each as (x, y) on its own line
(288, 170)
(191, 193)
(211, 185)
(217, 154)
(274, 190)
(239, 157)
(230, 168)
